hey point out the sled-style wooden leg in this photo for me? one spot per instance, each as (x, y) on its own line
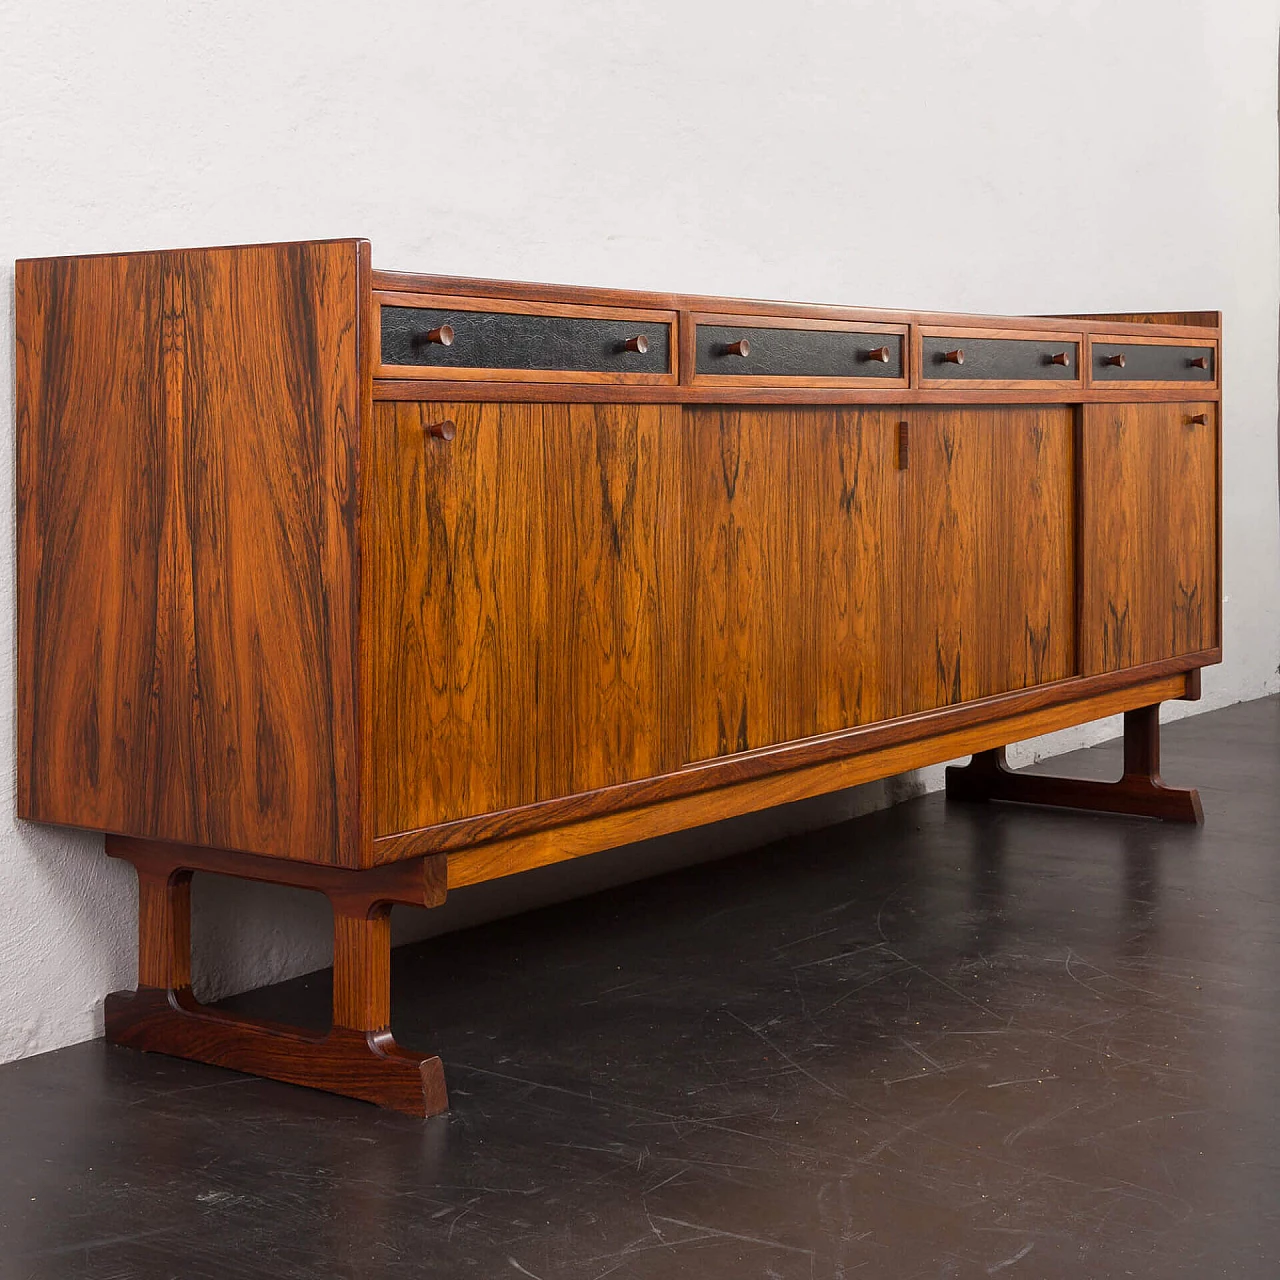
(1140, 792)
(358, 1057)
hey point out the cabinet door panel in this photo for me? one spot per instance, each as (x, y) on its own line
(988, 599)
(526, 605)
(1149, 571)
(794, 569)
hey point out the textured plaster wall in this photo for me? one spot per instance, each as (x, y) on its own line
(997, 156)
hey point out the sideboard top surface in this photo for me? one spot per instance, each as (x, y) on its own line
(1206, 322)
(697, 319)
(1181, 323)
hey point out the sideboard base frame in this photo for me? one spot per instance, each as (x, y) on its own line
(1140, 792)
(358, 1058)
(910, 744)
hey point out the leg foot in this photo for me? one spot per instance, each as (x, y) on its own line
(368, 1065)
(358, 1058)
(1139, 793)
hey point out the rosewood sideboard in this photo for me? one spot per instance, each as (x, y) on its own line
(383, 584)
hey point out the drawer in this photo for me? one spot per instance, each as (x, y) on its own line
(463, 338)
(1145, 360)
(966, 356)
(744, 349)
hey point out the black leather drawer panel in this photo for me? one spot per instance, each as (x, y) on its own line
(502, 340)
(1000, 359)
(796, 353)
(1144, 362)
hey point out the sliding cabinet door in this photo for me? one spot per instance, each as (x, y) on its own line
(988, 590)
(526, 620)
(794, 598)
(1149, 571)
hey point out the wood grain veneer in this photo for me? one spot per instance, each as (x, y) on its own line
(188, 430)
(988, 532)
(794, 599)
(526, 612)
(1148, 525)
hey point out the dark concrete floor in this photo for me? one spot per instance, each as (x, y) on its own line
(941, 1040)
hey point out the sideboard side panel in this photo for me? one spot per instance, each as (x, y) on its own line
(187, 427)
(1149, 533)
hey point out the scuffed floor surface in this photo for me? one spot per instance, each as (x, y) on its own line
(942, 1041)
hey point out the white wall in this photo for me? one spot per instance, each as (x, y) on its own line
(1000, 155)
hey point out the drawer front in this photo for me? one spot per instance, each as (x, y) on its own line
(1151, 362)
(796, 353)
(502, 340)
(956, 358)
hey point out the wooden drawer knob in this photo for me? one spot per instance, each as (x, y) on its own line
(1060, 357)
(442, 430)
(638, 344)
(953, 357)
(1198, 419)
(880, 354)
(1199, 362)
(1117, 360)
(740, 348)
(442, 336)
